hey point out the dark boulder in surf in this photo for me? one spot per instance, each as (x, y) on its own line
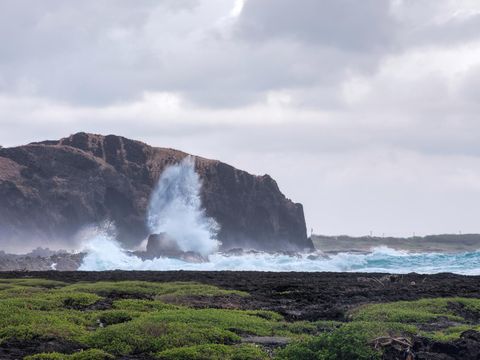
(162, 245)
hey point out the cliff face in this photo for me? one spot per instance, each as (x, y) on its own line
(49, 190)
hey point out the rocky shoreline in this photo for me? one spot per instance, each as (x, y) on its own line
(41, 261)
(296, 295)
(307, 297)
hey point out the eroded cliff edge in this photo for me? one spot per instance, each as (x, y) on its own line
(51, 189)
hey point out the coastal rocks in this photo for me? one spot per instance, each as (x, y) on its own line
(467, 347)
(61, 261)
(19, 348)
(161, 245)
(51, 189)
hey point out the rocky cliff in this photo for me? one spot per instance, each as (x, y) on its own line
(49, 190)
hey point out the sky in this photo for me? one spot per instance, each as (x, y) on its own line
(364, 111)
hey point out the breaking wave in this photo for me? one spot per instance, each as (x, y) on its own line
(104, 253)
(175, 209)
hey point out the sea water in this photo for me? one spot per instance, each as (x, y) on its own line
(104, 253)
(175, 209)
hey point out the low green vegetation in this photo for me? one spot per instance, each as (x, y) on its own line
(442, 319)
(92, 354)
(112, 319)
(106, 320)
(448, 317)
(150, 289)
(214, 352)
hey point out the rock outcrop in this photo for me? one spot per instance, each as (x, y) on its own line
(161, 245)
(61, 261)
(467, 347)
(49, 190)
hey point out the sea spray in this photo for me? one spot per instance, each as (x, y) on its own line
(176, 209)
(104, 253)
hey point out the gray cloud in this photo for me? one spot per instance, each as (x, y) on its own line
(366, 111)
(104, 52)
(349, 25)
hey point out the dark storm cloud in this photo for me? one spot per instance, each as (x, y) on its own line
(105, 52)
(349, 25)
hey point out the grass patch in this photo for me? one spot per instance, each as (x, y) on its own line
(33, 282)
(183, 327)
(142, 305)
(403, 318)
(214, 352)
(420, 311)
(138, 320)
(36, 309)
(144, 289)
(92, 354)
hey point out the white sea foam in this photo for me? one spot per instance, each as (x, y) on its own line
(175, 209)
(104, 253)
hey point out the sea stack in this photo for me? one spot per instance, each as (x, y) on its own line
(51, 189)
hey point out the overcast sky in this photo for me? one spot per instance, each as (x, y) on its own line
(367, 112)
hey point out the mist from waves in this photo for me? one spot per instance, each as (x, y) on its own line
(175, 209)
(104, 253)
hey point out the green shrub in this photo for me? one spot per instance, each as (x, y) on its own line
(33, 282)
(146, 289)
(144, 323)
(420, 311)
(92, 354)
(111, 317)
(213, 352)
(142, 305)
(146, 335)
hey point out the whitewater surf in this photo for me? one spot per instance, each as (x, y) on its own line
(175, 209)
(104, 253)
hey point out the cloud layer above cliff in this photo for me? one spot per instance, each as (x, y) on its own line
(365, 111)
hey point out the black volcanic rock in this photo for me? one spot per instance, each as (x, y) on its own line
(49, 190)
(162, 245)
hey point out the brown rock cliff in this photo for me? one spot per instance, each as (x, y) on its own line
(50, 189)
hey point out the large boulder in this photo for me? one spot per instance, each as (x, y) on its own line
(51, 189)
(162, 245)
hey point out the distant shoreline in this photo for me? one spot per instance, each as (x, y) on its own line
(444, 243)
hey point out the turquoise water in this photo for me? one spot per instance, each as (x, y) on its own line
(105, 254)
(387, 260)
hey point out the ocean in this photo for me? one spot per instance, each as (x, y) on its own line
(103, 253)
